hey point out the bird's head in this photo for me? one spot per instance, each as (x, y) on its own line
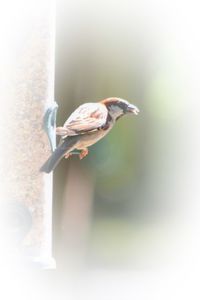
(118, 107)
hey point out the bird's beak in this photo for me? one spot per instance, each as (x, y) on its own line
(132, 109)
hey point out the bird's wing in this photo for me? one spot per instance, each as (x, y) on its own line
(87, 117)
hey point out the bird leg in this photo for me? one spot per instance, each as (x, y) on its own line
(67, 155)
(84, 152)
(74, 152)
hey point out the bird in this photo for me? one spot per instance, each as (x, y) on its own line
(89, 123)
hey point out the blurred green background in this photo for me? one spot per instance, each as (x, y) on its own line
(115, 208)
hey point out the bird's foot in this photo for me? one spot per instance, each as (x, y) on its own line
(68, 155)
(83, 153)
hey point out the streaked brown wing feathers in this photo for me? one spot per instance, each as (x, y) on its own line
(87, 117)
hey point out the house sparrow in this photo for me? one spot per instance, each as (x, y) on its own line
(89, 123)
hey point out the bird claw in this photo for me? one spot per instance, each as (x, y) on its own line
(68, 155)
(83, 153)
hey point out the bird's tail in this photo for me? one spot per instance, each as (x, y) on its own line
(58, 154)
